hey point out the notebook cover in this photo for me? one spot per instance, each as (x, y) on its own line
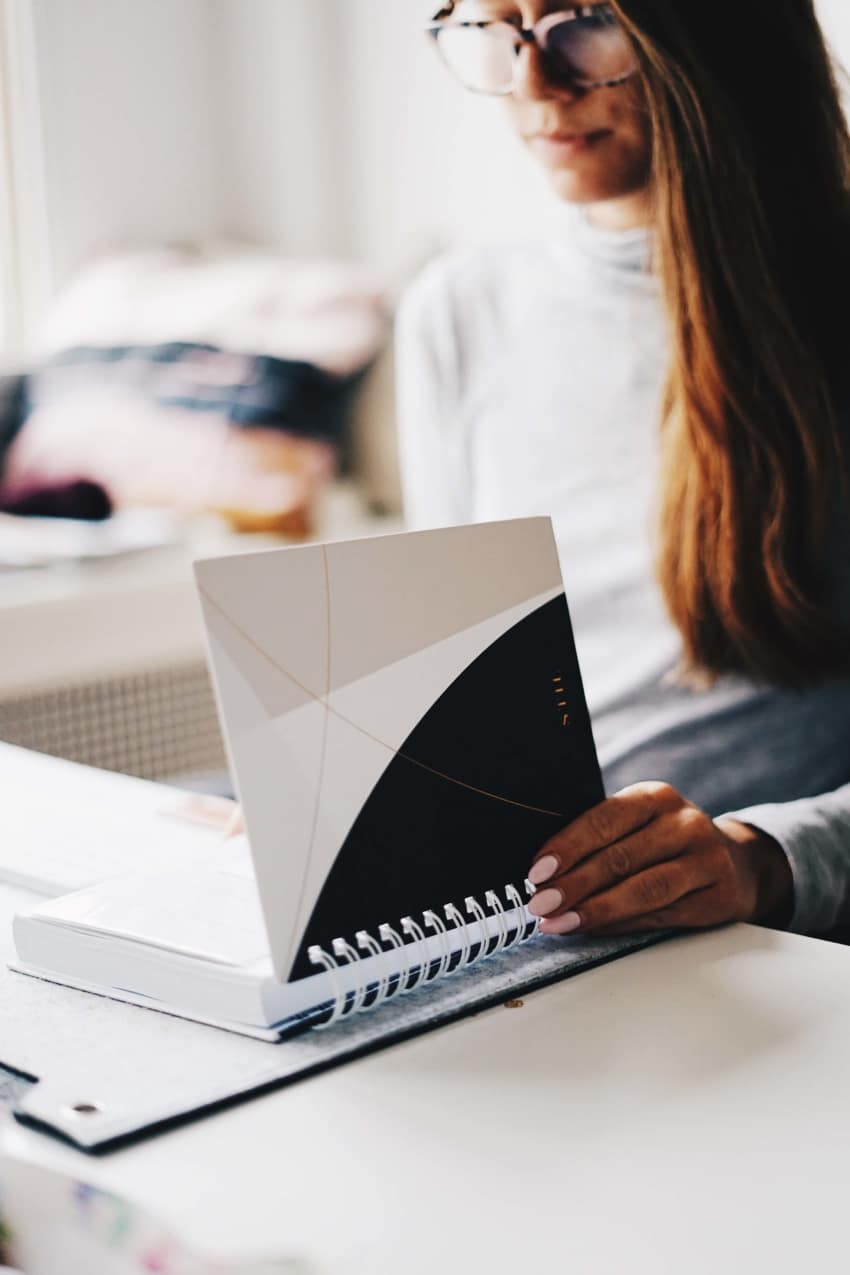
(405, 720)
(139, 1072)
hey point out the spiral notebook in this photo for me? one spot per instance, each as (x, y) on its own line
(406, 727)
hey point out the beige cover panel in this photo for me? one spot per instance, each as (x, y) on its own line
(384, 597)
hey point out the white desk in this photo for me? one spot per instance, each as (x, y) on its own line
(683, 1112)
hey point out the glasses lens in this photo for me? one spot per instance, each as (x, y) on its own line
(590, 50)
(482, 58)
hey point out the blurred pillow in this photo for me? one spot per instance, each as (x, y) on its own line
(331, 314)
(226, 386)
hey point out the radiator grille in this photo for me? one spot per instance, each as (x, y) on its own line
(156, 725)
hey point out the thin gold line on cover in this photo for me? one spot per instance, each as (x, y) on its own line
(324, 749)
(482, 792)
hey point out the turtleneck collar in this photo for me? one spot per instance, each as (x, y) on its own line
(617, 254)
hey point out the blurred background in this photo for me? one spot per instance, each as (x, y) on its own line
(208, 212)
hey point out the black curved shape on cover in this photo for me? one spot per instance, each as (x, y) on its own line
(513, 723)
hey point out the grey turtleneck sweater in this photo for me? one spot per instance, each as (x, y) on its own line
(530, 382)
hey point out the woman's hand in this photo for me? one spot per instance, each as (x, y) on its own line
(648, 859)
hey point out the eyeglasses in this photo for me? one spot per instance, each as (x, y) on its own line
(584, 47)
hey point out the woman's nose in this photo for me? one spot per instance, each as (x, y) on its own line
(531, 83)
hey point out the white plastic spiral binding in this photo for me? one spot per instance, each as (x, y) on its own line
(415, 967)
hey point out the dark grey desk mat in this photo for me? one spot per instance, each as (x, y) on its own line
(109, 1072)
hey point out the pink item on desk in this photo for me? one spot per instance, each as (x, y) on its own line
(57, 1225)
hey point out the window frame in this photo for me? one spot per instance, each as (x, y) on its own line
(25, 261)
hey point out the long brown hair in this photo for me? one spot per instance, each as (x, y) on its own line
(751, 180)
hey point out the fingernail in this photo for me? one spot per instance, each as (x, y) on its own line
(543, 869)
(565, 924)
(545, 902)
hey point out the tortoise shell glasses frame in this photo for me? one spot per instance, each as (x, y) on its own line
(584, 46)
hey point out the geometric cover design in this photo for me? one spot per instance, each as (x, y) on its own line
(405, 721)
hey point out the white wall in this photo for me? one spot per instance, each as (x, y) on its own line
(130, 149)
(835, 17)
(276, 107)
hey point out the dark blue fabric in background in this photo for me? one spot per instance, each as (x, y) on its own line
(12, 409)
(254, 390)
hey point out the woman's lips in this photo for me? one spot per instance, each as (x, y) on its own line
(562, 147)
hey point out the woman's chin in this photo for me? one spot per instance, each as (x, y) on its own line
(574, 188)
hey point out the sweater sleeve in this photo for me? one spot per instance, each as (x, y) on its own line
(815, 835)
(433, 449)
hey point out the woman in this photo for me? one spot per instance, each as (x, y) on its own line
(668, 381)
